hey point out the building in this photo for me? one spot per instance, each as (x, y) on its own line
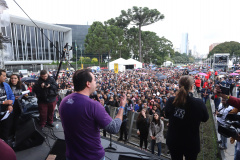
(33, 46)
(212, 46)
(184, 43)
(78, 38)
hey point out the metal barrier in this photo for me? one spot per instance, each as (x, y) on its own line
(133, 138)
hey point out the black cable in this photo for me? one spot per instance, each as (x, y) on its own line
(43, 34)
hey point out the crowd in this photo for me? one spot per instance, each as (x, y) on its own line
(147, 92)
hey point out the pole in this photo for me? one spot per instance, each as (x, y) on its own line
(76, 53)
(81, 56)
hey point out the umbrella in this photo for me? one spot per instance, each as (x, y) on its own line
(159, 74)
(28, 79)
(204, 74)
(237, 71)
(222, 73)
(233, 74)
(162, 77)
(192, 72)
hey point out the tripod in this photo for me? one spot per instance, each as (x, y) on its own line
(110, 144)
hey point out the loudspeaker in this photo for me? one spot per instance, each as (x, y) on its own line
(28, 134)
(124, 157)
(58, 150)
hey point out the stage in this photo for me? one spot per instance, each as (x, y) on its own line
(42, 151)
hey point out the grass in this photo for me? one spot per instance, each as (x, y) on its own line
(208, 138)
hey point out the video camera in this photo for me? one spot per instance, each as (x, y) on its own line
(230, 127)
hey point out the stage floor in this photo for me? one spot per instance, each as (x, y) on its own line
(41, 152)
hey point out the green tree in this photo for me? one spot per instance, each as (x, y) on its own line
(227, 47)
(141, 17)
(95, 39)
(87, 60)
(81, 58)
(94, 60)
(114, 40)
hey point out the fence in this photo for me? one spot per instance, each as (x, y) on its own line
(132, 130)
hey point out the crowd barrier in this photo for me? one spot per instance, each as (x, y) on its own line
(132, 130)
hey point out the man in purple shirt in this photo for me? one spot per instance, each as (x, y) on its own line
(83, 117)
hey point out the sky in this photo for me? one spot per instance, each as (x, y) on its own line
(205, 21)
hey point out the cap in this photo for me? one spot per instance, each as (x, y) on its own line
(154, 94)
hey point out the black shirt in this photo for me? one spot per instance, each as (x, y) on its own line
(184, 122)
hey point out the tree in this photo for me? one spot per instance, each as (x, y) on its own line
(141, 17)
(94, 60)
(87, 60)
(95, 39)
(114, 39)
(226, 47)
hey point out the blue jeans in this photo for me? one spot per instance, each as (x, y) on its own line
(153, 142)
(224, 141)
(205, 100)
(237, 152)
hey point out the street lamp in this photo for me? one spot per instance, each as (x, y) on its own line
(81, 56)
(76, 53)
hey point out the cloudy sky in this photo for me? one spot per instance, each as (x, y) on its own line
(205, 21)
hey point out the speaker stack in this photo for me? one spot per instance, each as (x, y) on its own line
(28, 134)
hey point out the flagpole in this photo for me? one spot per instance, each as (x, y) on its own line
(76, 54)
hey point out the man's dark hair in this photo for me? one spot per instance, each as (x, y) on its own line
(43, 72)
(1, 70)
(80, 78)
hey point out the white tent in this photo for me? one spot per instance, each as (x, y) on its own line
(125, 64)
(134, 62)
(167, 63)
(120, 62)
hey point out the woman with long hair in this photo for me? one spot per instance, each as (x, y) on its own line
(142, 126)
(156, 132)
(185, 113)
(17, 88)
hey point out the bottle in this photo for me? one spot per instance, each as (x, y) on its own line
(57, 126)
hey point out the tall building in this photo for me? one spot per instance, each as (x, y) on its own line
(184, 43)
(212, 46)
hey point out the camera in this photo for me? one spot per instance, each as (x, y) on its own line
(225, 90)
(230, 127)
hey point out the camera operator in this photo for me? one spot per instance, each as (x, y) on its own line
(221, 113)
(235, 102)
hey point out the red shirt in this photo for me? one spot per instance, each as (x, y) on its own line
(197, 82)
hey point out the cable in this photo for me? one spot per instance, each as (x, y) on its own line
(45, 34)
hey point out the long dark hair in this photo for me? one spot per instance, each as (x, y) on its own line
(185, 84)
(19, 83)
(140, 114)
(156, 121)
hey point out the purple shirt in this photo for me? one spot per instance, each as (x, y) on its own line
(82, 119)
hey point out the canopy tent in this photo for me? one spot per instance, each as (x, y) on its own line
(125, 64)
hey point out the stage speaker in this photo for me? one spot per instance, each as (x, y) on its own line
(124, 157)
(58, 150)
(28, 134)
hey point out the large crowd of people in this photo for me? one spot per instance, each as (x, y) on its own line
(148, 92)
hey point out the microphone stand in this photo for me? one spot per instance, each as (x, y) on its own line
(110, 144)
